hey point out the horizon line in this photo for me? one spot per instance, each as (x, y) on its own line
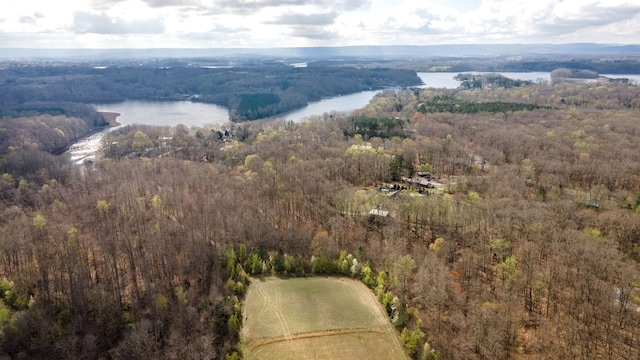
(326, 46)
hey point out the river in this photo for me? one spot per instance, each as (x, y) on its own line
(190, 114)
(344, 103)
(199, 114)
(169, 113)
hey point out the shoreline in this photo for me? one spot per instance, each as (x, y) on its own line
(110, 117)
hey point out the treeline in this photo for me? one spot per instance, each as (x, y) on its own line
(531, 252)
(601, 66)
(564, 73)
(278, 87)
(477, 81)
(453, 105)
(87, 113)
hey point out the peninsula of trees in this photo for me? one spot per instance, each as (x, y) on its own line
(249, 91)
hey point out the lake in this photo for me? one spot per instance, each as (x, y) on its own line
(169, 113)
(172, 113)
(157, 113)
(344, 103)
(199, 114)
(189, 113)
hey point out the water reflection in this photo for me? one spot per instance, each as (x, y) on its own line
(169, 113)
(344, 103)
(85, 149)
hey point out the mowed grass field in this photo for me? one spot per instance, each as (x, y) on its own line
(316, 318)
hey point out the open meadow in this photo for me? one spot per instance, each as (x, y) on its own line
(312, 318)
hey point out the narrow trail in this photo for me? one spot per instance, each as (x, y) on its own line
(265, 307)
(257, 343)
(274, 307)
(280, 315)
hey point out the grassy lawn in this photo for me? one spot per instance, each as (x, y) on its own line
(316, 318)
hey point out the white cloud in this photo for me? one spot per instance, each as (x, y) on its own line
(547, 20)
(32, 18)
(103, 24)
(275, 23)
(299, 19)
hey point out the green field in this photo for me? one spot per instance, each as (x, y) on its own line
(316, 318)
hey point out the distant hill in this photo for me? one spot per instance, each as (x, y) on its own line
(391, 52)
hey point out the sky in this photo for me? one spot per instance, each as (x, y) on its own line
(113, 24)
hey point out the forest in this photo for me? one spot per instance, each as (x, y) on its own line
(249, 91)
(527, 246)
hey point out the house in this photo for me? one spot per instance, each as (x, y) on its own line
(424, 183)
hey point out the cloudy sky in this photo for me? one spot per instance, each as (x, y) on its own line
(294, 23)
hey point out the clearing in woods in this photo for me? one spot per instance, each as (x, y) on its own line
(316, 318)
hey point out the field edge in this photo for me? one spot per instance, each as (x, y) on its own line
(250, 348)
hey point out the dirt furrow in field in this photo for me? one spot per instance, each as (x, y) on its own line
(257, 343)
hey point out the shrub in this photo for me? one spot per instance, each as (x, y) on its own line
(5, 314)
(323, 265)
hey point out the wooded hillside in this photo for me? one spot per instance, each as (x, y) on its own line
(249, 91)
(526, 246)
